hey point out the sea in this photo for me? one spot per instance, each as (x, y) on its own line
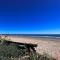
(42, 36)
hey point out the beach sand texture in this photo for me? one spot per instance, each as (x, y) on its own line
(47, 46)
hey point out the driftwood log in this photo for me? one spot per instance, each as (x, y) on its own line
(29, 46)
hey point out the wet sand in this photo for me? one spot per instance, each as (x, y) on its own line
(52, 47)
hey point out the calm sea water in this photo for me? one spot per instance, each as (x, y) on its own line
(50, 36)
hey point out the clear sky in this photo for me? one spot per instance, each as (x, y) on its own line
(30, 16)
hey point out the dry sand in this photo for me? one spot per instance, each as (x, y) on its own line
(51, 47)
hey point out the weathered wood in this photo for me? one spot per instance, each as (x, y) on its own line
(27, 44)
(30, 47)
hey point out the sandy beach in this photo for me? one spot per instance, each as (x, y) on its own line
(51, 47)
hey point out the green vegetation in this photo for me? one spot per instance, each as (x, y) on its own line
(16, 52)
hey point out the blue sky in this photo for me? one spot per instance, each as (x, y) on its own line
(30, 16)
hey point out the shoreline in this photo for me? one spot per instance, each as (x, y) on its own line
(44, 46)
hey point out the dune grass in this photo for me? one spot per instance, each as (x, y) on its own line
(15, 52)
